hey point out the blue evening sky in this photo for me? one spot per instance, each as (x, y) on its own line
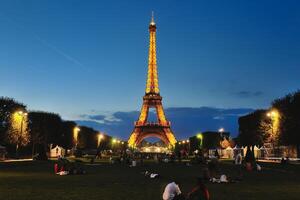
(75, 57)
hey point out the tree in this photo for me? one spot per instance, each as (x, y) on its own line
(87, 138)
(45, 129)
(289, 110)
(8, 106)
(18, 130)
(254, 128)
(213, 139)
(67, 134)
(13, 123)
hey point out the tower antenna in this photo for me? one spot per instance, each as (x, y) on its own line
(152, 18)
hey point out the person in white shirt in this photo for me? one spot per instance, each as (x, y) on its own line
(171, 191)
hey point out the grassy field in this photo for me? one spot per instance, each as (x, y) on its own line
(36, 180)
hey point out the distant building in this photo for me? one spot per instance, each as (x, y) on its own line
(208, 140)
(57, 151)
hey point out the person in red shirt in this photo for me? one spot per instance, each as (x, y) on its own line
(199, 192)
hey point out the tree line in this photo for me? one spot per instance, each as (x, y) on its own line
(279, 125)
(33, 132)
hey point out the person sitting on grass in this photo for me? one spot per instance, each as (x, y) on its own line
(199, 192)
(172, 192)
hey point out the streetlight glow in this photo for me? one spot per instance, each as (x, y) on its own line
(100, 137)
(275, 117)
(19, 135)
(75, 135)
(200, 137)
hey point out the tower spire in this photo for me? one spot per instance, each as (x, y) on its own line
(152, 19)
(152, 79)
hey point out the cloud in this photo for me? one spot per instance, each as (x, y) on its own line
(94, 117)
(248, 94)
(185, 121)
(107, 118)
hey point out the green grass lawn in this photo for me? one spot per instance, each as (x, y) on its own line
(36, 180)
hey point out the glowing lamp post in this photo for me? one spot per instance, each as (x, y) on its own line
(75, 135)
(274, 116)
(200, 137)
(100, 137)
(189, 146)
(19, 116)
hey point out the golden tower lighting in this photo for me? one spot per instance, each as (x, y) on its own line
(152, 99)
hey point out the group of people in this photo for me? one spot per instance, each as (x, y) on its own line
(199, 191)
(172, 190)
(285, 161)
(65, 167)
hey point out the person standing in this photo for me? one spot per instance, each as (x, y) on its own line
(238, 159)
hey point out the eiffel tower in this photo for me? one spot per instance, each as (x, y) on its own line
(152, 99)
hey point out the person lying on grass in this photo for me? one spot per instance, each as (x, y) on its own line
(151, 175)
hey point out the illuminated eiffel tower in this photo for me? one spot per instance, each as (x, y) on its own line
(152, 99)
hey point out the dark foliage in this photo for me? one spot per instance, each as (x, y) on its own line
(253, 128)
(7, 107)
(289, 109)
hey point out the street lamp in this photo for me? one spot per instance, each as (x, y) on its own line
(100, 137)
(189, 146)
(21, 114)
(200, 137)
(274, 116)
(75, 135)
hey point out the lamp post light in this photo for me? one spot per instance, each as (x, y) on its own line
(189, 146)
(100, 137)
(75, 135)
(22, 114)
(274, 116)
(200, 137)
